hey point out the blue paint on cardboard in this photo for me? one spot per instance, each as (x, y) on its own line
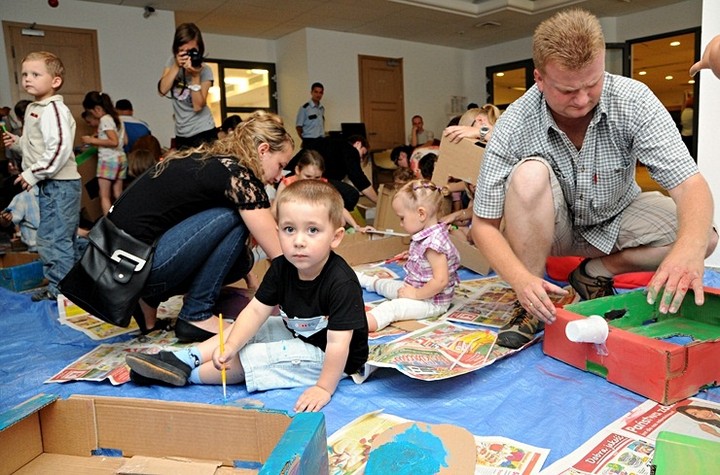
(413, 452)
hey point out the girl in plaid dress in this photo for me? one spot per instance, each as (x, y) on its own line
(432, 261)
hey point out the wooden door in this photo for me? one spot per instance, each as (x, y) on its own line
(77, 48)
(382, 101)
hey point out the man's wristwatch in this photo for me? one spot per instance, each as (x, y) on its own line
(195, 87)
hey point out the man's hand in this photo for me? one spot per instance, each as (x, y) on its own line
(677, 273)
(532, 294)
(312, 400)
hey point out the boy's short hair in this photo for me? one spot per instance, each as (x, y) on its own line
(314, 192)
(53, 64)
(317, 84)
(123, 105)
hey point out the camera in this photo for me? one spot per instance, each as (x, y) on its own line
(195, 57)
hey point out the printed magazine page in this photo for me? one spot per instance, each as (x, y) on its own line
(627, 445)
(439, 351)
(349, 448)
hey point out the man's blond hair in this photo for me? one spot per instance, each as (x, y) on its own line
(573, 38)
(53, 64)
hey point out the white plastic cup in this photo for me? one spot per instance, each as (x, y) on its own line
(593, 329)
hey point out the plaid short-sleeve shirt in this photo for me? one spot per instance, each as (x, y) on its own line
(629, 125)
(417, 267)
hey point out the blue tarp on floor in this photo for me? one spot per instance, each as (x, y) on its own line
(528, 396)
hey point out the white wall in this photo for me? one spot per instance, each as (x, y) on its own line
(132, 51)
(709, 116)
(333, 60)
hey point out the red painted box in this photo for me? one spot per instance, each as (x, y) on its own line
(666, 358)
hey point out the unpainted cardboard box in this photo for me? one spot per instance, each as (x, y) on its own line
(93, 434)
(640, 355)
(90, 208)
(470, 256)
(20, 271)
(459, 160)
(359, 248)
(385, 217)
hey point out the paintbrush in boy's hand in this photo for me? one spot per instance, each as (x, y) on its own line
(223, 376)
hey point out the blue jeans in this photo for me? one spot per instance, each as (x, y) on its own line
(59, 203)
(197, 257)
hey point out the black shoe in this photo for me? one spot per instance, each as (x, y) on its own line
(520, 330)
(163, 367)
(186, 332)
(160, 323)
(590, 287)
(42, 295)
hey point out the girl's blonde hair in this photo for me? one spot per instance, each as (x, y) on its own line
(423, 193)
(489, 110)
(262, 127)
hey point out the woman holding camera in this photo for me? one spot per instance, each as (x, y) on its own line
(186, 80)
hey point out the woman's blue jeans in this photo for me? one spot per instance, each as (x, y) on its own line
(197, 257)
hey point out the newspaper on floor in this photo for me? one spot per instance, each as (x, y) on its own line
(439, 351)
(349, 448)
(490, 302)
(78, 319)
(107, 360)
(627, 444)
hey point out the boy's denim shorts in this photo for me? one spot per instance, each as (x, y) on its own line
(273, 359)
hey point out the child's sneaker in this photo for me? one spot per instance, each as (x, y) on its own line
(590, 287)
(520, 330)
(163, 367)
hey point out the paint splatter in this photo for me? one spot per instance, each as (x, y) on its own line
(413, 452)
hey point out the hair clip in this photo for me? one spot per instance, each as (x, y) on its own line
(430, 186)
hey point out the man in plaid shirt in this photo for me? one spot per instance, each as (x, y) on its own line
(560, 168)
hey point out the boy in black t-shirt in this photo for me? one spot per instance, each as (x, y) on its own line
(321, 334)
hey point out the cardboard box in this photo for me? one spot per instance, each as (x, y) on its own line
(358, 248)
(385, 217)
(92, 434)
(640, 357)
(20, 271)
(459, 160)
(90, 208)
(470, 256)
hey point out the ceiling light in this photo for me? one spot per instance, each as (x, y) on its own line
(500, 75)
(669, 78)
(674, 43)
(642, 73)
(692, 81)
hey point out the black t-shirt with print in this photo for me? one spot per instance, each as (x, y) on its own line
(335, 294)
